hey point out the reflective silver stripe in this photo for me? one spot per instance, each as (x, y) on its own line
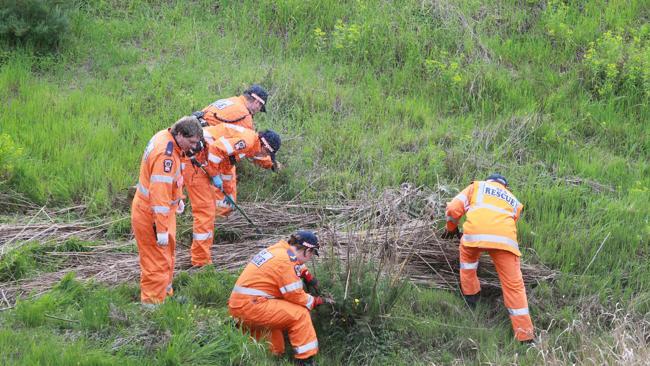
(468, 238)
(241, 156)
(307, 347)
(169, 287)
(493, 208)
(160, 209)
(234, 127)
(291, 287)
(143, 190)
(522, 311)
(161, 179)
(451, 219)
(473, 265)
(310, 302)
(213, 158)
(182, 166)
(259, 157)
(174, 202)
(227, 145)
(226, 176)
(201, 236)
(162, 237)
(251, 292)
(481, 189)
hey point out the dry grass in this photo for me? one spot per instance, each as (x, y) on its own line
(395, 229)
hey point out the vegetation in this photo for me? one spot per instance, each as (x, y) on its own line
(371, 94)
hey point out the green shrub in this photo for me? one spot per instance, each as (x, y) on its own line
(618, 64)
(10, 153)
(37, 23)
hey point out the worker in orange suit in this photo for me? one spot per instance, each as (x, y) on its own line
(226, 145)
(491, 212)
(155, 204)
(238, 111)
(268, 297)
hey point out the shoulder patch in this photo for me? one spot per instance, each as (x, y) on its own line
(170, 148)
(262, 257)
(240, 145)
(292, 255)
(222, 103)
(167, 165)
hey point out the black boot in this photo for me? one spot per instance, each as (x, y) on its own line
(472, 300)
(306, 362)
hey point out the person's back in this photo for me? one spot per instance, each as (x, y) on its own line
(230, 110)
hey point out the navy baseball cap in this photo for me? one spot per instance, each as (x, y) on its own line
(271, 141)
(259, 93)
(498, 178)
(308, 239)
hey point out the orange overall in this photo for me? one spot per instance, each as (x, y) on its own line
(227, 144)
(153, 216)
(268, 298)
(232, 111)
(491, 213)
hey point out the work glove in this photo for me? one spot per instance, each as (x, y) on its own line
(181, 207)
(162, 239)
(229, 201)
(320, 300)
(451, 234)
(218, 182)
(310, 280)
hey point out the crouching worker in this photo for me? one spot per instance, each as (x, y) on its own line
(268, 297)
(154, 207)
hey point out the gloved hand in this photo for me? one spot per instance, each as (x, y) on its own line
(162, 239)
(181, 207)
(230, 202)
(310, 280)
(451, 234)
(217, 181)
(320, 300)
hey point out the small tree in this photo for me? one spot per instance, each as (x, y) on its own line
(38, 23)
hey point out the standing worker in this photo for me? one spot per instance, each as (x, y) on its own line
(268, 297)
(154, 207)
(238, 111)
(490, 226)
(226, 144)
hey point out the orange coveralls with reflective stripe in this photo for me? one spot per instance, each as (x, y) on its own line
(226, 144)
(490, 225)
(153, 215)
(232, 111)
(268, 298)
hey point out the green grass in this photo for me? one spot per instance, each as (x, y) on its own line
(382, 93)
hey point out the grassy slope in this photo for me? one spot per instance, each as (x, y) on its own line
(364, 109)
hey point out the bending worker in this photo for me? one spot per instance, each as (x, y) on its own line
(238, 111)
(154, 207)
(227, 144)
(490, 226)
(269, 297)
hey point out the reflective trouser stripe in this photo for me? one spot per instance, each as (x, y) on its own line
(160, 209)
(291, 287)
(162, 237)
(473, 265)
(468, 238)
(201, 236)
(251, 292)
(306, 347)
(226, 176)
(522, 311)
(310, 302)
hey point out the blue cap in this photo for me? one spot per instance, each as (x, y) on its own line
(498, 178)
(271, 141)
(257, 91)
(307, 239)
